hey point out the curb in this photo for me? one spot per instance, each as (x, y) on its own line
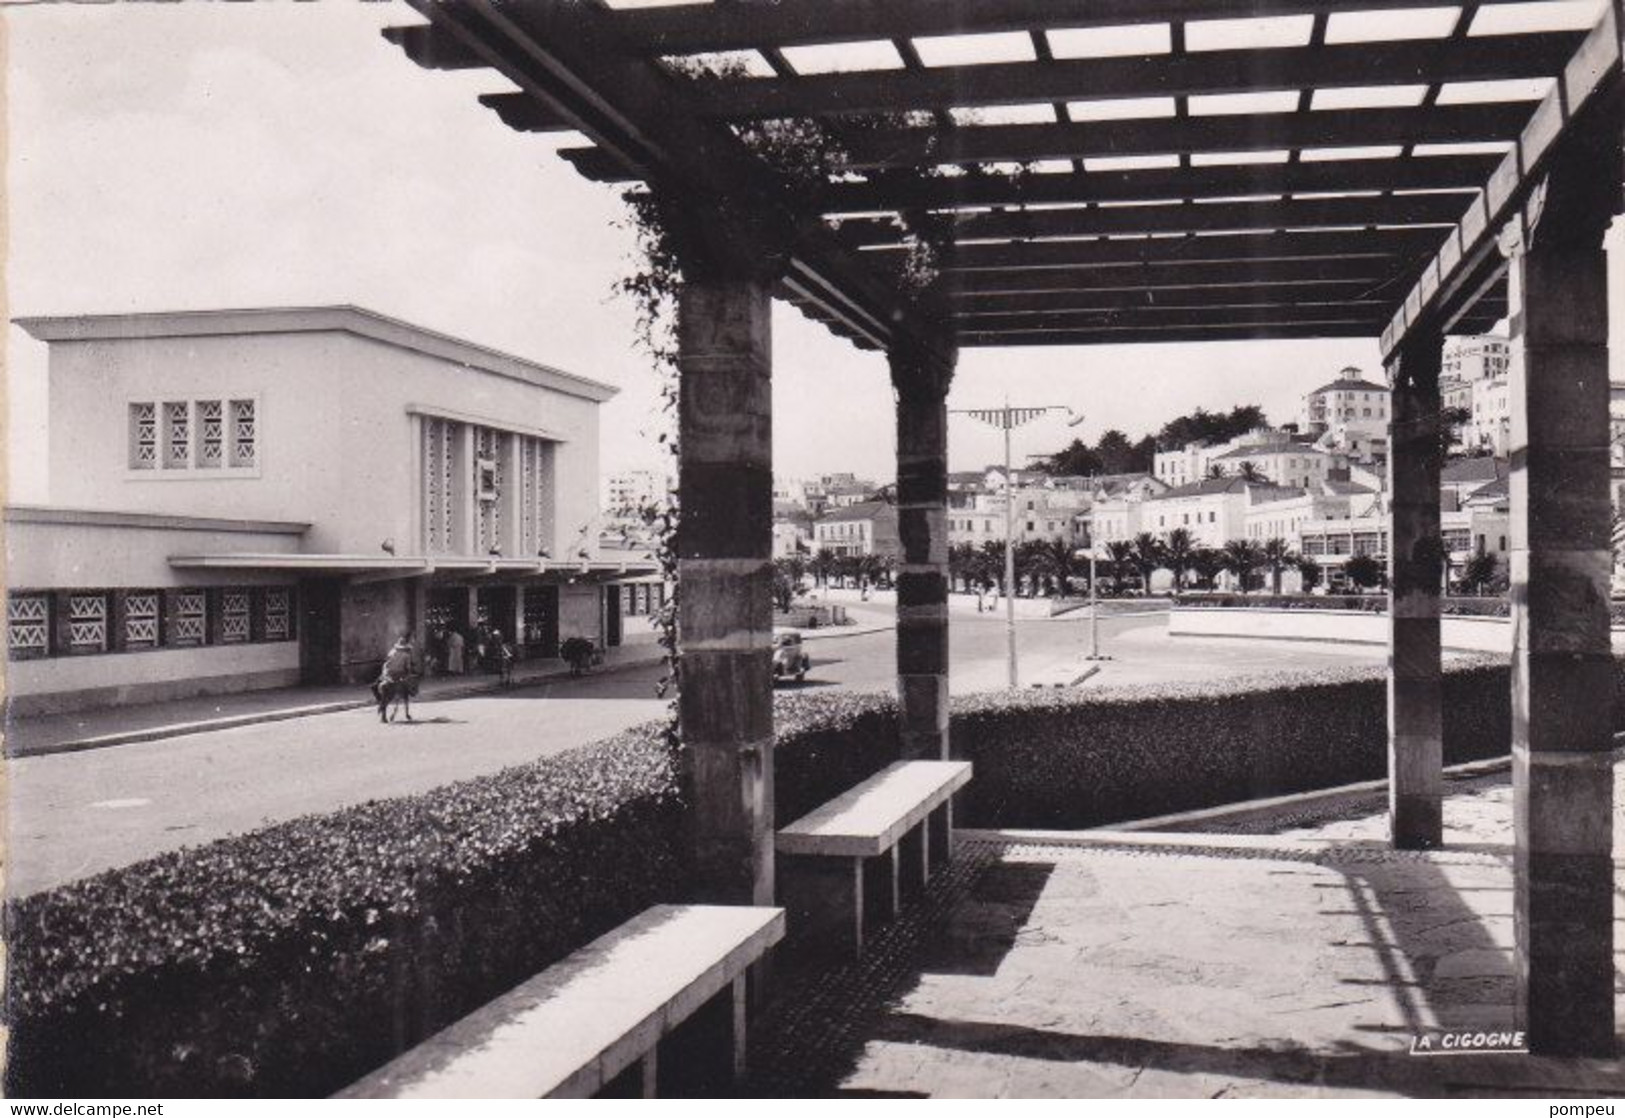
(287, 714)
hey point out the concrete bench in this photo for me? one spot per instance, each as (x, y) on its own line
(847, 858)
(572, 1030)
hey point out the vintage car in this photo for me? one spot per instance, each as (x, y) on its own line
(789, 659)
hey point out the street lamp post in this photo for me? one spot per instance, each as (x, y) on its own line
(1007, 419)
(1094, 595)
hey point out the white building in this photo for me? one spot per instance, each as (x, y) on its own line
(630, 491)
(869, 528)
(1471, 357)
(256, 498)
(1213, 511)
(1349, 414)
(1286, 464)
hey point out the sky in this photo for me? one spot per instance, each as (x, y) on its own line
(196, 156)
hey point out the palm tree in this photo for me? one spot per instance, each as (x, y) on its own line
(993, 565)
(1206, 563)
(1241, 558)
(961, 564)
(1250, 472)
(1479, 572)
(1147, 558)
(1177, 550)
(1122, 555)
(822, 566)
(1059, 561)
(1309, 573)
(1364, 571)
(1278, 555)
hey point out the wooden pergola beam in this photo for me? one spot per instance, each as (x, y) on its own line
(917, 147)
(1470, 261)
(1153, 280)
(1296, 213)
(1140, 335)
(719, 27)
(1372, 249)
(1434, 173)
(1346, 294)
(1368, 315)
(1172, 75)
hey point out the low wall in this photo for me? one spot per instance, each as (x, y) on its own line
(67, 683)
(1464, 634)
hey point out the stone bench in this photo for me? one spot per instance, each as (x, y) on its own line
(597, 1019)
(847, 859)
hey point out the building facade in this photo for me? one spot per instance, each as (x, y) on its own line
(321, 478)
(869, 528)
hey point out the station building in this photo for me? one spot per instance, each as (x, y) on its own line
(258, 498)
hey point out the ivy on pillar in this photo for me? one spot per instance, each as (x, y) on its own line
(922, 574)
(1562, 670)
(724, 570)
(1415, 570)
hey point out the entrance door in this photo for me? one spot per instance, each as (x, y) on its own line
(612, 615)
(541, 635)
(320, 630)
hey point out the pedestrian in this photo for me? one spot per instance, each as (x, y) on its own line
(398, 680)
(505, 658)
(454, 652)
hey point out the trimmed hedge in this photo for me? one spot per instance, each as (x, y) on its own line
(1053, 760)
(1356, 603)
(292, 960)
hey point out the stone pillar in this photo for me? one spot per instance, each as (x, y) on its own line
(725, 572)
(922, 567)
(1562, 668)
(1415, 567)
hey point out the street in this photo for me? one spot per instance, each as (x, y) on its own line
(75, 814)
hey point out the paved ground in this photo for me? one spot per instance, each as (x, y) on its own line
(75, 814)
(1180, 965)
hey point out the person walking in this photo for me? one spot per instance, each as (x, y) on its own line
(454, 652)
(398, 679)
(505, 657)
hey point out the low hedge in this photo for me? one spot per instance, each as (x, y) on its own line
(1085, 759)
(1356, 603)
(292, 960)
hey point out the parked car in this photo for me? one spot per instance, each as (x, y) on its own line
(789, 658)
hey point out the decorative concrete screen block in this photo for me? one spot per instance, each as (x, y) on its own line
(191, 617)
(28, 625)
(211, 447)
(244, 433)
(277, 625)
(143, 436)
(235, 614)
(87, 622)
(141, 619)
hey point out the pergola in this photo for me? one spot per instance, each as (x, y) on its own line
(1130, 171)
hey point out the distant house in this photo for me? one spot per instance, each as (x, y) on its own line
(1212, 510)
(869, 528)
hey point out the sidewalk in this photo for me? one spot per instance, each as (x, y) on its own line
(93, 729)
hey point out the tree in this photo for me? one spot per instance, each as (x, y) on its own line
(1364, 571)
(1177, 551)
(1309, 572)
(993, 565)
(822, 566)
(1117, 453)
(1122, 557)
(1450, 423)
(1206, 563)
(1147, 557)
(1058, 562)
(1479, 573)
(1277, 555)
(1250, 472)
(1241, 558)
(962, 565)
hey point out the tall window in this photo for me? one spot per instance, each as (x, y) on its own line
(244, 433)
(177, 435)
(235, 616)
(277, 619)
(211, 447)
(191, 615)
(143, 436)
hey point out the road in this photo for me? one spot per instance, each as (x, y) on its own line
(75, 814)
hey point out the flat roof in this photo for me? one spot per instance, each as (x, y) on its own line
(339, 318)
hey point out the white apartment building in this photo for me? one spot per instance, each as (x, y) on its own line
(1473, 357)
(1282, 513)
(1212, 510)
(1349, 413)
(631, 490)
(1039, 513)
(1285, 464)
